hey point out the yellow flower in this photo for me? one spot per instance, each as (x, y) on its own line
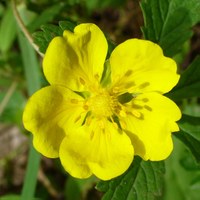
(96, 115)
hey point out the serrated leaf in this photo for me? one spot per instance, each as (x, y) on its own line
(67, 25)
(190, 134)
(142, 181)
(189, 83)
(40, 40)
(169, 22)
(38, 36)
(49, 31)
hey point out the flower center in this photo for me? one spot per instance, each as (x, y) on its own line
(101, 105)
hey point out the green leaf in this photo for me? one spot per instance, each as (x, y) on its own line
(7, 30)
(46, 16)
(188, 161)
(10, 197)
(32, 74)
(142, 181)
(190, 134)
(76, 189)
(14, 108)
(189, 83)
(191, 143)
(196, 184)
(13, 197)
(191, 125)
(169, 22)
(179, 177)
(39, 39)
(67, 25)
(49, 31)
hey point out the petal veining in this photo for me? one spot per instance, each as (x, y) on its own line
(99, 149)
(139, 66)
(152, 129)
(76, 60)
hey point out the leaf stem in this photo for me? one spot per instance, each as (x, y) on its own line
(24, 29)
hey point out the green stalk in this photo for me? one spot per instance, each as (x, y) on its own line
(32, 74)
(31, 68)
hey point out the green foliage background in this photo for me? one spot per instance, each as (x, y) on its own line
(167, 22)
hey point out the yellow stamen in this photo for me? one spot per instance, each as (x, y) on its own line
(136, 113)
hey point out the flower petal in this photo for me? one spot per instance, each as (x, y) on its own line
(150, 130)
(99, 149)
(47, 112)
(76, 60)
(139, 66)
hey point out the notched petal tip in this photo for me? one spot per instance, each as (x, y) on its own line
(147, 64)
(84, 152)
(78, 54)
(155, 130)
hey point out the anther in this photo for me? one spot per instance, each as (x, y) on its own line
(145, 100)
(82, 81)
(148, 108)
(86, 107)
(74, 101)
(115, 89)
(122, 113)
(96, 76)
(143, 85)
(135, 106)
(136, 113)
(129, 84)
(128, 73)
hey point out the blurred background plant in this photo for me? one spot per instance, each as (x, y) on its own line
(21, 75)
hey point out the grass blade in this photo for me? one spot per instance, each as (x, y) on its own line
(32, 74)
